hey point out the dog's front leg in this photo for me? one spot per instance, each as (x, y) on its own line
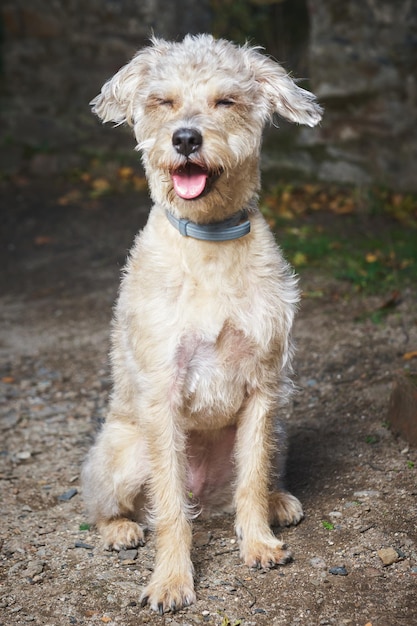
(258, 545)
(171, 586)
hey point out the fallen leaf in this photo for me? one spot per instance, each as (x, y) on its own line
(43, 240)
(125, 173)
(71, 197)
(407, 356)
(7, 379)
(139, 183)
(100, 185)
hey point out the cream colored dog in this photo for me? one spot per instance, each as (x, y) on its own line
(201, 336)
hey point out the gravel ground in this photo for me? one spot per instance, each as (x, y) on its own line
(355, 554)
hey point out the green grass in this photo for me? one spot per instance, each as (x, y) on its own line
(371, 247)
(327, 525)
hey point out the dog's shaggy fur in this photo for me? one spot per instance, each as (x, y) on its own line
(201, 336)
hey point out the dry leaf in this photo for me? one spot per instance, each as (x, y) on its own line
(410, 355)
(43, 240)
(100, 185)
(139, 183)
(125, 173)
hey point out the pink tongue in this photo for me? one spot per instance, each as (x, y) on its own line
(189, 183)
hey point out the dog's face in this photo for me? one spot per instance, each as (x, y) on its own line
(198, 109)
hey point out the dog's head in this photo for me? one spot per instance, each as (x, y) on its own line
(198, 108)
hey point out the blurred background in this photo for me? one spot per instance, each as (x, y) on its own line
(359, 58)
(341, 196)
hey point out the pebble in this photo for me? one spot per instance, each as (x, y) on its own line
(338, 571)
(64, 497)
(388, 556)
(34, 568)
(201, 538)
(24, 455)
(81, 544)
(367, 493)
(372, 572)
(318, 562)
(128, 555)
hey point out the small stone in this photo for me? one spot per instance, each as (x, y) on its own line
(372, 572)
(388, 556)
(367, 493)
(24, 455)
(338, 571)
(318, 562)
(128, 555)
(81, 544)
(201, 538)
(68, 495)
(33, 568)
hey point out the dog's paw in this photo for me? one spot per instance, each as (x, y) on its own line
(284, 509)
(121, 533)
(169, 594)
(265, 554)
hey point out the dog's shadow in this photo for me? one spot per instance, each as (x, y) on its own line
(315, 460)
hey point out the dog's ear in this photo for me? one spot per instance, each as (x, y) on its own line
(116, 101)
(281, 94)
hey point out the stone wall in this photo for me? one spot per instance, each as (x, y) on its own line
(363, 62)
(56, 54)
(360, 57)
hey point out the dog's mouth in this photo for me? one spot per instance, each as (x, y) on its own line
(191, 181)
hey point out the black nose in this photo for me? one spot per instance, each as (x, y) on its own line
(187, 140)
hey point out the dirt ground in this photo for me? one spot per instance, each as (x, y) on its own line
(60, 265)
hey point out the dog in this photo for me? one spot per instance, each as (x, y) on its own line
(201, 338)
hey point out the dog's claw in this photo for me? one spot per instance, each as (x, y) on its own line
(160, 608)
(144, 601)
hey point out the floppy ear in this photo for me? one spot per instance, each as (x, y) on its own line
(116, 101)
(281, 94)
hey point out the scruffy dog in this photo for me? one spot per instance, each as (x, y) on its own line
(201, 336)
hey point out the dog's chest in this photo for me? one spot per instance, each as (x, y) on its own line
(212, 373)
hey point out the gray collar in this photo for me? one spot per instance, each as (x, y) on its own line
(228, 229)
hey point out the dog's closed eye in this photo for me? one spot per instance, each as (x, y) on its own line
(166, 102)
(225, 102)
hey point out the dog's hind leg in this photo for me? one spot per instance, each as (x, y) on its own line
(284, 509)
(113, 479)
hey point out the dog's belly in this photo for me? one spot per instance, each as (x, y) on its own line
(210, 466)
